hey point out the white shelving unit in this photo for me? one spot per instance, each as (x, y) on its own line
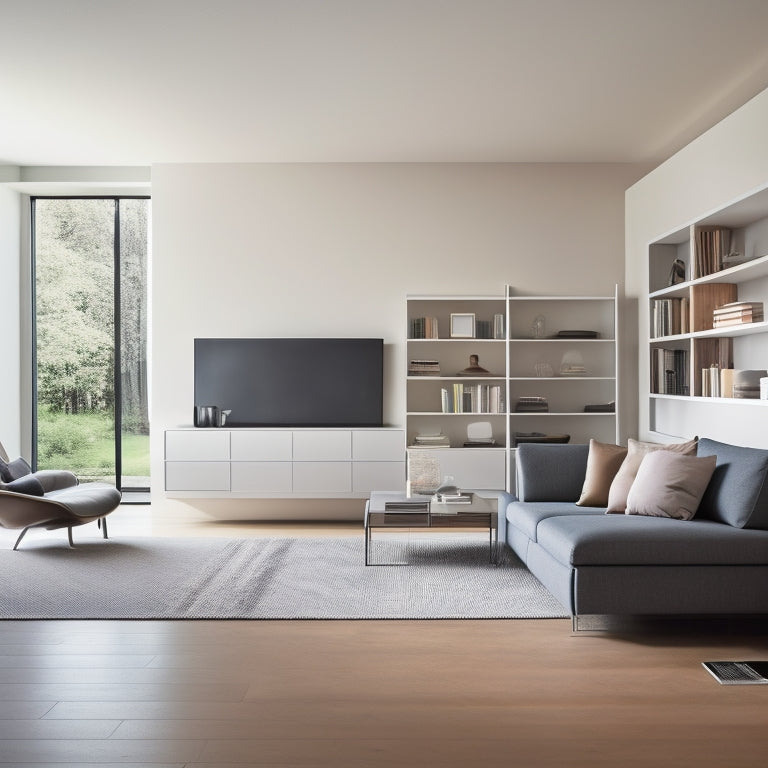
(743, 346)
(513, 362)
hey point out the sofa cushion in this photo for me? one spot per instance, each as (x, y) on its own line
(526, 516)
(13, 470)
(603, 462)
(550, 472)
(738, 492)
(669, 484)
(604, 540)
(636, 452)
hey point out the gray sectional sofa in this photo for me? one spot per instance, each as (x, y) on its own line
(629, 564)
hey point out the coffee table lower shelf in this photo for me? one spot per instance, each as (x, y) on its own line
(481, 513)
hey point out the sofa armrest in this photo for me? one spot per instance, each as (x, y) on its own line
(55, 479)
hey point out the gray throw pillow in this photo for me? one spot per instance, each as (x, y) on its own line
(738, 492)
(13, 470)
(669, 484)
(28, 484)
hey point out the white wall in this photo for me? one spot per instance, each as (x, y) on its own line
(325, 250)
(10, 317)
(727, 163)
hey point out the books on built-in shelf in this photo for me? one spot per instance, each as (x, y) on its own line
(710, 381)
(532, 404)
(711, 246)
(669, 371)
(472, 398)
(422, 328)
(431, 440)
(424, 368)
(737, 313)
(670, 317)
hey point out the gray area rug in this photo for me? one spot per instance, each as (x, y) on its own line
(447, 577)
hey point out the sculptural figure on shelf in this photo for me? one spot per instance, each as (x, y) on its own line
(474, 368)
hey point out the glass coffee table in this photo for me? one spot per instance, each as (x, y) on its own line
(390, 510)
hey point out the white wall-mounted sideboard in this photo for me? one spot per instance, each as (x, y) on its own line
(283, 463)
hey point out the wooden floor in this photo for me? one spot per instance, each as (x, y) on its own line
(373, 693)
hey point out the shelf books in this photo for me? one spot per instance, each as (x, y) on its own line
(669, 371)
(534, 404)
(711, 246)
(432, 440)
(422, 328)
(710, 381)
(472, 398)
(670, 317)
(737, 313)
(424, 368)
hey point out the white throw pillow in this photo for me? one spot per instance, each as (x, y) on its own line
(670, 485)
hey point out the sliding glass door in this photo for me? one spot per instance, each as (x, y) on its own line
(91, 261)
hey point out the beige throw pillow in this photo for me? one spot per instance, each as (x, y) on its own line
(670, 485)
(603, 462)
(636, 452)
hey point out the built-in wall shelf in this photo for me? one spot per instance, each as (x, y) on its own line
(686, 388)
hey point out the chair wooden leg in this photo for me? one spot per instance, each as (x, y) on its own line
(103, 525)
(21, 536)
(69, 536)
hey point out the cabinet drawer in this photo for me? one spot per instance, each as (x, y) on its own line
(269, 445)
(197, 445)
(322, 477)
(262, 476)
(378, 445)
(378, 476)
(321, 445)
(197, 476)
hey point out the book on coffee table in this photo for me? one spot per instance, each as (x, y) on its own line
(406, 506)
(453, 498)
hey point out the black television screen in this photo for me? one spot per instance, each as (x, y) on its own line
(292, 382)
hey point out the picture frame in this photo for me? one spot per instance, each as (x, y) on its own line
(463, 325)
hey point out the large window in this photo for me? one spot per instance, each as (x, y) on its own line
(91, 261)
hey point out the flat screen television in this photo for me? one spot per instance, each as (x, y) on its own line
(292, 382)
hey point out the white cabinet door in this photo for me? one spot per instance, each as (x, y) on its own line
(262, 476)
(262, 445)
(470, 467)
(378, 445)
(197, 476)
(322, 477)
(322, 445)
(370, 476)
(197, 445)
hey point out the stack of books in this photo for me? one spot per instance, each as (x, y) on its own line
(424, 368)
(431, 440)
(533, 404)
(738, 313)
(422, 328)
(480, 442)
(601, 407)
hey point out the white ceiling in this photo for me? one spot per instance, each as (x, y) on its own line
(137, 82)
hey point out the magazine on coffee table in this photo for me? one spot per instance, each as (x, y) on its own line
(738, 672)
